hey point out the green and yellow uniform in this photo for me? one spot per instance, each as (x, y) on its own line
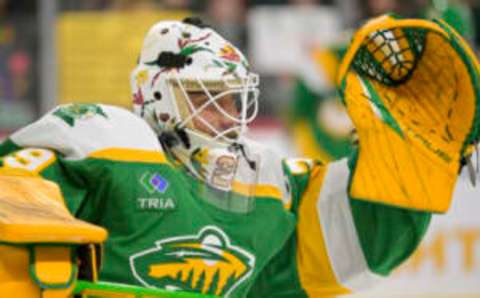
(287, 227)
(320, 126)
(303, 236)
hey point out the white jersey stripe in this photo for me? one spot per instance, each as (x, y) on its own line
(343, 246)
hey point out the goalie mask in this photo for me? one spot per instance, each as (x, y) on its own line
(195, 90)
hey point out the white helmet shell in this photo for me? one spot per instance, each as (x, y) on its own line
(179, 57)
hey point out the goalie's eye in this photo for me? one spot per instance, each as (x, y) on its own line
(198, 99)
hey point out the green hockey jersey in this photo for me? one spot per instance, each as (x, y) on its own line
(303, 235)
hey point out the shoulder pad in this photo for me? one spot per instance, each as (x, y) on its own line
(78, 130)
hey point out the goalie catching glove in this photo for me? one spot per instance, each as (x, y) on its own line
(411, 88)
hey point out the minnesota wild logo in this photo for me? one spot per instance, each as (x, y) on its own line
(71, 113)
(206, 263)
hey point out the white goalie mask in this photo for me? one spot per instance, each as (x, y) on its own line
(194, 88)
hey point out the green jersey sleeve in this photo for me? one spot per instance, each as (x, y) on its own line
(341, 244)
(50, 165)
(71, 146)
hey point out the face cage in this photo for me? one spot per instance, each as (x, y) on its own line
(243, 88)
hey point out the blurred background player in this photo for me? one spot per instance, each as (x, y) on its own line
(320, 125)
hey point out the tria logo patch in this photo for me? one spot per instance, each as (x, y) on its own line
(156, 204)
(78, 111)
(206, 263)
(154, 182)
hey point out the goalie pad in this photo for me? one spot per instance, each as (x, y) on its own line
(411, 88)
(40, 238)
(33, 211)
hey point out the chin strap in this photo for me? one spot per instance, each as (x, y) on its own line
(251, 163)
(170, 139)
(183, 136)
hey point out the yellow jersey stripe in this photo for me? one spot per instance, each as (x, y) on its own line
(315, 269)
(133, 155)
(11, 171)
(260, 190)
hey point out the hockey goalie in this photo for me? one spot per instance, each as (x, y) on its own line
(191, 205)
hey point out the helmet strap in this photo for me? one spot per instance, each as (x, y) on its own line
(170, 139)
(251, 163)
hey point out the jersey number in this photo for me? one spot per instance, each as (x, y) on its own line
(31, 159)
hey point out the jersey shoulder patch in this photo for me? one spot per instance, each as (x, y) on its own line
(78, 130)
